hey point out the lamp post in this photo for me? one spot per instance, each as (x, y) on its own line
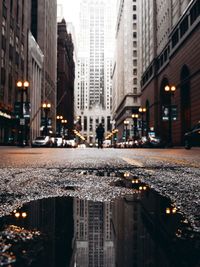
(22, 87)
(170, 90)
(126, 123)
(46, 107)
(64, 122)
(135, 117)
(59, 119)
(142, 111)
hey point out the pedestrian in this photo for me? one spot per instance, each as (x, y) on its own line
(100, 135)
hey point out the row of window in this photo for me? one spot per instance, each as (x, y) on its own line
(180, 30)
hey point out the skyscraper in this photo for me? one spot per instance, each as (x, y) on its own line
(93, 75)
(44, 30)
(126, 89)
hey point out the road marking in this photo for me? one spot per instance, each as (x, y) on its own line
(133, 162)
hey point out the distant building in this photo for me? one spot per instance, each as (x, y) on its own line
(170, 56)
(14, 21)
(93, 94)
(44, 30)
(125, 75)
(65, 79)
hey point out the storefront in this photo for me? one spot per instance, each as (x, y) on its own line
(6, 131)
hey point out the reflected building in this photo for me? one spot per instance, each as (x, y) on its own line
(127, 228)
(93, 239)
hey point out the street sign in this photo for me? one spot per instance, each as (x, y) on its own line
(26, 109)
(165, 112)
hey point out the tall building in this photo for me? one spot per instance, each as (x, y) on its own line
(94, 69)
(35, 67)
(44, 30)
(126, 85)
(170, 56)
(65, 77)
(14, 21)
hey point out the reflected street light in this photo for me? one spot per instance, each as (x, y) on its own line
(22, 87)
(170, 90)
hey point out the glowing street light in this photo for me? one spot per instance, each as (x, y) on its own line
(170, 90)
(46, 107)
(142, 111)
(22, 86)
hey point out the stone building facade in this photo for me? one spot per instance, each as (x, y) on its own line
(44, 30)
(14, 21)
(176, 63)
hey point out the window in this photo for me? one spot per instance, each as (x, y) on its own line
(195, 12)
(135, 53)
(175, 38)
(134, 34)
(134, 16)
(184, 26)
(134, 71)
(134, 62)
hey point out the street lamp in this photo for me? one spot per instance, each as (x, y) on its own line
(170, 90)
(64, 122)
(126, 123)
(59, 119)
(46, 107)
(142, 111)
(22, 87)
(135, 117)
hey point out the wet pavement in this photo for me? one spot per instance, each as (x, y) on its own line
(140, 229)
(120, 184)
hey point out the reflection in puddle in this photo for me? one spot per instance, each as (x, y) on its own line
(141, 229)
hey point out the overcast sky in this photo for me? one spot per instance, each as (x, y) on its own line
(69, 10)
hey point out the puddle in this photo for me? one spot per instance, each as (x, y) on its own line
(139, 229)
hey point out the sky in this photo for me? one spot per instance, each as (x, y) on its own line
(69, 10)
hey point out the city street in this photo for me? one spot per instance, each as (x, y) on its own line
(103, 175)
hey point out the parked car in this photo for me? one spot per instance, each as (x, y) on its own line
(71, 143)
(42, 141)
(192, 138)
(151, 142)
(57, 141)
